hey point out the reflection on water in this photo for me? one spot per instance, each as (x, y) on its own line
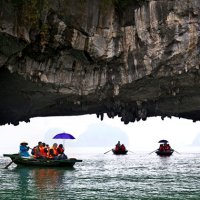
(40, 181)
(32, 183)
(42, 177)
(48, 178)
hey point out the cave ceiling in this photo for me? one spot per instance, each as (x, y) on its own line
(131, 59)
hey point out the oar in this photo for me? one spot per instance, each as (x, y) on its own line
(153, 151)
(177, 152)
(130, 151)
(6, 167)
(108, 151)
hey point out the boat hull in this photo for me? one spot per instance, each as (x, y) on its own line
(164, 153)
(32, 162)
(119, 152)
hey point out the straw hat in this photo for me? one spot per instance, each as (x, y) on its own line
(24, 143)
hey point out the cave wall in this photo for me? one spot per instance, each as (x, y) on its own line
(128, 58)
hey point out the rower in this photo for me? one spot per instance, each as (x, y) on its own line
(23, 149)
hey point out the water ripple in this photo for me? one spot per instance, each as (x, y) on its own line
(135, 176)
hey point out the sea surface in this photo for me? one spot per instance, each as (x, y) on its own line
(106, 176)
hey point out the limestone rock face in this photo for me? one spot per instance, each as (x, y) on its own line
(128, 58)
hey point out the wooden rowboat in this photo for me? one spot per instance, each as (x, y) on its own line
(22, 161)
(165, 153)
(119, 152)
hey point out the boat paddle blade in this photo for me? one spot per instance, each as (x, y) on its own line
(6, 167)
(108, 151)
(152, 151)
(177, 152)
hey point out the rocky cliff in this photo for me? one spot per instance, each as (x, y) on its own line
(128, 58)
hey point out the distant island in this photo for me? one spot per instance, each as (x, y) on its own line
(97, 135)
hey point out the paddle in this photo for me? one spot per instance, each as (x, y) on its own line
(130, 151)
(177, 152)
(6, 167)
(17, 157)
(152, 151)
(108, 151)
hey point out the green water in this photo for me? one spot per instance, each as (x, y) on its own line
(134, 176)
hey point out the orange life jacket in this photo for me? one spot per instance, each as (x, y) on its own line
(55, 152)
(36, 152)
(42, 151)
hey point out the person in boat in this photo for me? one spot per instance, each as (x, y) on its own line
(118, 146)
(60, 151)
(23, 149)
(123, 148)
(167, 147)
(39, 151)
(46, 149)
(53, 152)
(161, 148)
(33, 150)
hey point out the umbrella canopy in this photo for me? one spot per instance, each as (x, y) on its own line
(163, 141)
(63, 136)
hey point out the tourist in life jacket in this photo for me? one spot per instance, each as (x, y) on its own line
(60, 151)
(43, 150)
(161, 148)
(118, 146)
(167, 147)
(53, 153)
(46, 149)
(123, 148)
(39, 151)
(23, 149)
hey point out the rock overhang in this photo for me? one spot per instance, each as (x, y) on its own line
(136, 62)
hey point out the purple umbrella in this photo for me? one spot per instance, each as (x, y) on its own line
(63, 136)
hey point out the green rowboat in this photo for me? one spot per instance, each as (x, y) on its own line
(22, 161)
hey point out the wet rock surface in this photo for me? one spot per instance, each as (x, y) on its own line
(132, 59)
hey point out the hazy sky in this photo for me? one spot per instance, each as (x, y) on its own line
(142, 135)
